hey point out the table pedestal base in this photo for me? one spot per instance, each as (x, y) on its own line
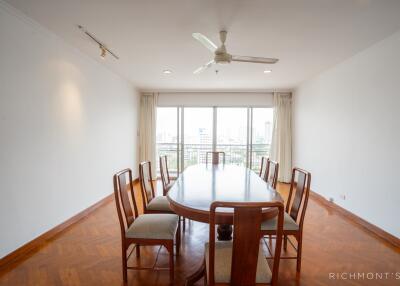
(224, 232)
(196, 276)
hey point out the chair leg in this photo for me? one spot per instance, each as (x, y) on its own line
(285, 238)
(178, 239)
(205, 276)
(299, 250)
(137, 250)
(184, 224)
(170, 249)
(124, 264)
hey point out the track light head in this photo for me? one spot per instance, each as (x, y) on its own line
(103, 52)
(103, 49)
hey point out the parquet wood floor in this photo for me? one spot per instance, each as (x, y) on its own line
(88, 253)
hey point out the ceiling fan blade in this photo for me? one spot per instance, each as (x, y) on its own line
(254, 60)
(205, 41)
(203, 67)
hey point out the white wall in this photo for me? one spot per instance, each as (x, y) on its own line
(347, 133)
(66, 125)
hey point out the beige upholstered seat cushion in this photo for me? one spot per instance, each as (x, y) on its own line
(288, 224)
(159, 203)
(223, 263)
(153, 226)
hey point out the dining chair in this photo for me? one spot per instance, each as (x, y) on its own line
(272, 173)
(215, 157)
(167, 183)
(144, 229)
(242, 261)
(295, 211)
(151, 202)
(165, 178)
(264, 168)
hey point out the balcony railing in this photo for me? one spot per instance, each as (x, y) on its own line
(196, 154)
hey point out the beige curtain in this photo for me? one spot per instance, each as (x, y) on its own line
(147, 130)
(281, 145)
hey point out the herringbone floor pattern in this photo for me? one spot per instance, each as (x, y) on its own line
(88, 253)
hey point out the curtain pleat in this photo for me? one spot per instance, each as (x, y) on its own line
(147, 130)
(281, 145)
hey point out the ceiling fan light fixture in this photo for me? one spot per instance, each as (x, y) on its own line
(167, 71)
(267, 71)
(223, 62)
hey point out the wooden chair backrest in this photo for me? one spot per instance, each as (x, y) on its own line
(246, 240)
(164, 172)
(297, 202)
(146, 183)
(215, 157)
(272, 175)
(122, 184)
(264, 168)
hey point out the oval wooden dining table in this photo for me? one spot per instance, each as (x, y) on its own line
(200, 185)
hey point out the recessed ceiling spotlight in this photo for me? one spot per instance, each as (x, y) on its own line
(267, 71)
(167, 71)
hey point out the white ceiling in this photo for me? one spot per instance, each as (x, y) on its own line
(308, 36)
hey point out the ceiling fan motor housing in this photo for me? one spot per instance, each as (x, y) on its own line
(221, 56)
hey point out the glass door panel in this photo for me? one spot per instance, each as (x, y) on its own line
(167, 137)
(197, 134)
(232, 134)
(261, 135)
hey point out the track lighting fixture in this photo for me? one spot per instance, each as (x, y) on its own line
(103, 52)
(103, 49)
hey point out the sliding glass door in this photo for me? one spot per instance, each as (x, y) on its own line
(231, 133)
(185, 134)
(261, 134)
(197, 134)
(167, 137)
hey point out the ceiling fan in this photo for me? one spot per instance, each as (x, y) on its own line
(221, 56)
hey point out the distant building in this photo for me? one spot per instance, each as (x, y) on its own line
(205, 139)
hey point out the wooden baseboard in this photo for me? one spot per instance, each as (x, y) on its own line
(41, 240)
(357, 220)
